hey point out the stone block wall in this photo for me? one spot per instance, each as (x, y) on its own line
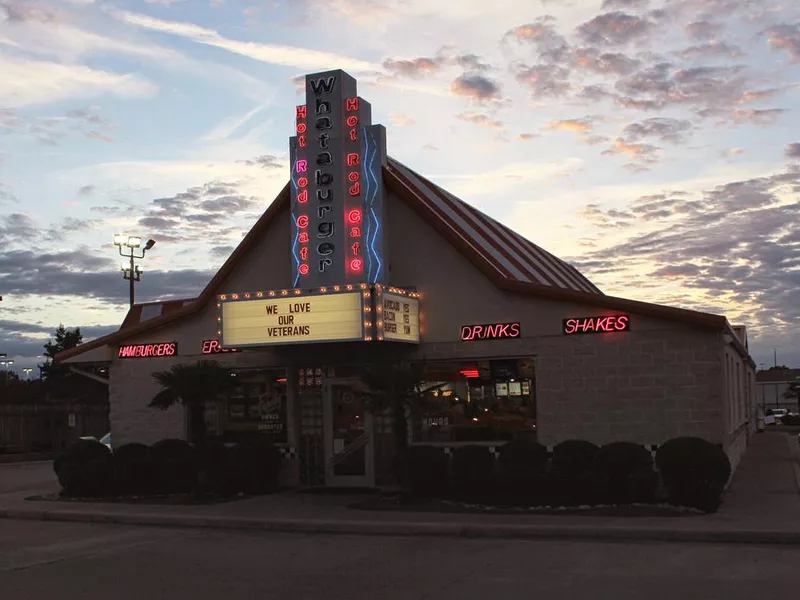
(131, 388)
(643, 386)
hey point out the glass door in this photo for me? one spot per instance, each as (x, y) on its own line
(349, 457)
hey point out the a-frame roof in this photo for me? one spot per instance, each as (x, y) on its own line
(510, 261)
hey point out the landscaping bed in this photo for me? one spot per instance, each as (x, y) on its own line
(402, 503)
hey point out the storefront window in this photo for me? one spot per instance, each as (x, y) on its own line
(485, 401)
(256, 406)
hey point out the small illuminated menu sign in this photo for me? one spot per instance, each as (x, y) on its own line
(490, 331)
(147, 350)
(291, 320)
(400, 318)
(604, 324)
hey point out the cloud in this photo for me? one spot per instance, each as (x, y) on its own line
(481, 119)
(401, 120)
(665, 129)
(609, 4)
(603, 63)
(527, 137)
(417, 67)
(265, 161)
(702, 30)
(710, 49)
(544, 81)
(287, 56)
(729, 245)
(762, 117)
(475, 87)
(579, 126)
(785, 37)
(28, 82)
(640, 152)
(53, 130)
(792, 151)
(614, 28)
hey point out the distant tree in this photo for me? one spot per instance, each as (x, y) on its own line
(65, 339)
(778, 368)
(193, 385)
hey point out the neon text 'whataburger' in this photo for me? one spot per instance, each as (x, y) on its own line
(492, 331)
(607, 324)
(146, 350)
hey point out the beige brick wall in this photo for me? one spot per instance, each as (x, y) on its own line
(641, 386)
(131, 388)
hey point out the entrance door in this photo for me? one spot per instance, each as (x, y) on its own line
(349, 455)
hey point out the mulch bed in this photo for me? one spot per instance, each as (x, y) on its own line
(407, 504)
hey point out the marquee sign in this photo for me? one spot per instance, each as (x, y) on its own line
(490, 331)
(265, 321)
(147, 350)
(606, 324)
(397, 315)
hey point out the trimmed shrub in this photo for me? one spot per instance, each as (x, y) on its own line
(133, 469)
(84, 469)
(574, 476)
(256, 465)
(175, 466)
(522, 467)
(694, 472)
(474, 470)
(215, 472)
(428, 470)
(626, 473)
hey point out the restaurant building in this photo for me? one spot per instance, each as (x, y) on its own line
(361, 260)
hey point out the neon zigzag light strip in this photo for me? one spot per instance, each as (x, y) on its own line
(296, 228)
(372, 193)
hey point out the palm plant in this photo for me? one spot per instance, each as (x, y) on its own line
(193, 385)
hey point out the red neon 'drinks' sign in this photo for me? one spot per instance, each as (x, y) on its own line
(491, 331)
(607, 324)
(148, 350)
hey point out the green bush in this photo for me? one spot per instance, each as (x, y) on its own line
(133, 469)
(215, 468)
(522, 467)
(626, 473)
(175, 466)
(575, 480)
(428, 469)
(694, 471)
(255, 466)
(84, 469)
(474, 470)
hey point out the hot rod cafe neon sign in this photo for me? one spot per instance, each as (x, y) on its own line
(607, 324)
(492, 331)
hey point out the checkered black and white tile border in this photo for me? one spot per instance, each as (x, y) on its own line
(288, 452)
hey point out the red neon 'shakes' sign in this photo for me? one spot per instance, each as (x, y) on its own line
(146, 350)
(607, 324)
(493, 331)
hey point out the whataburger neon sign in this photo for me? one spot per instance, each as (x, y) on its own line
(606, 324)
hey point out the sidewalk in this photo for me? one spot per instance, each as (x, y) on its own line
(761, 506)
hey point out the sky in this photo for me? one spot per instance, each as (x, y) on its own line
(654, 144)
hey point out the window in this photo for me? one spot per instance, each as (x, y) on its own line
(257, 406)
(492, 400)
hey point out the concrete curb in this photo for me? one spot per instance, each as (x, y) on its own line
(465, 530)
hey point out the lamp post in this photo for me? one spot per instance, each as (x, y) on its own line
(6, 364)
(27, 371)
(128, 244)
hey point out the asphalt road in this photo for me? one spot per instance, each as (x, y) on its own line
(47, 560)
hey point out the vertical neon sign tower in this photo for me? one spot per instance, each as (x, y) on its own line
(337, 156)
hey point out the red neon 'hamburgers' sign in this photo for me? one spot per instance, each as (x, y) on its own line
(147, 350)
(608, 324)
